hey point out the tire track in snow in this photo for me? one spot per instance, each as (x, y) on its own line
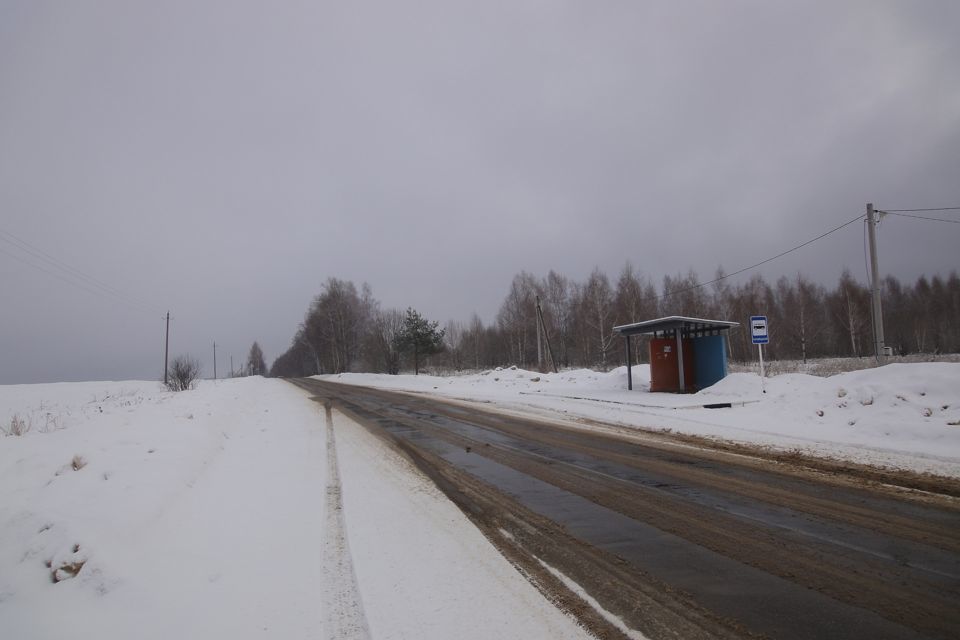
(343, 608)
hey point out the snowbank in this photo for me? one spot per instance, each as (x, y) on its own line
(186, 513)
(127, 511)
(900, 415)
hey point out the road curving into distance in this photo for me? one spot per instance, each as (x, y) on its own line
(682, 541)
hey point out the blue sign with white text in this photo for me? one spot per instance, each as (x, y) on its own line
(758, 330)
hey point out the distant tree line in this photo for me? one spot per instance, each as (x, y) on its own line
(346, 330)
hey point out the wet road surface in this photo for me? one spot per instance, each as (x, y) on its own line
(679, 541)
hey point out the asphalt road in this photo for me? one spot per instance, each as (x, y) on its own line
(683, 541)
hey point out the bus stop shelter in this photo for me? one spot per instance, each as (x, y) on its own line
(686, 354)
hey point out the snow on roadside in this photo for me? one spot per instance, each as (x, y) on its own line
(193, 514)
(129, 511)
(899, 415)
(424, 570)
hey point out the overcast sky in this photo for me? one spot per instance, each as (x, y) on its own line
(223, 159)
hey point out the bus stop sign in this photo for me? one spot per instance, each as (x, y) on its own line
(758, 329)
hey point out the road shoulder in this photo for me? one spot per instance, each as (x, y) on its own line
(423, 569)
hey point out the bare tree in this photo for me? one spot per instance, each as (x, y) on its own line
(182, 372)
(597, 313)
(635, 300)
(684, 296)
(850, 304)
(751, 298)
(256, 366)
(517, 316)
(381, 341)
(337, 323)
(473, 336)
(805, 317)
(302, 339)
(720, 296)
(897, 316)
(454, 344)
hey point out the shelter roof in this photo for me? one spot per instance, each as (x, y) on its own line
(672, 323)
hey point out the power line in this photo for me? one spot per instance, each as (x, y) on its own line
(54, 274)
(759, 264)
(35, 251)
(907, 215)
(917, 210)
(69, 274)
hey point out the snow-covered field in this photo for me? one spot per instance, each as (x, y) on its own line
(232, 511)
(898, 415)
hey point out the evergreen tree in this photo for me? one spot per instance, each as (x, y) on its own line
(420, 336)
(256, 365)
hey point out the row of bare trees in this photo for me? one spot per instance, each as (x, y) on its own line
(345, 329)
(332, 336)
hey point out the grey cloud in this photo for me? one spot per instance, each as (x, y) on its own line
(223, 159)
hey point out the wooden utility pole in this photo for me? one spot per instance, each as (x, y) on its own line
(231, 365)
(166, 349)
(539, 342)
(214, 359)
(542, 330)
(878, 341)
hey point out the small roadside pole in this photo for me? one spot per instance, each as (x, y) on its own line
(758, 330)
(166, 350)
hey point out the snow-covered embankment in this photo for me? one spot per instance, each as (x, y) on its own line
(130, 511)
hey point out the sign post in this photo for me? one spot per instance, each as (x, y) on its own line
(758, 330)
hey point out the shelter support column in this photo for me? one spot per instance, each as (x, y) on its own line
(629, 366)
(679, 334)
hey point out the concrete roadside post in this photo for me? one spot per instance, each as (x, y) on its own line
(758, 330)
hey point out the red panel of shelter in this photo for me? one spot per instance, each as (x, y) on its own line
(664, 370)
